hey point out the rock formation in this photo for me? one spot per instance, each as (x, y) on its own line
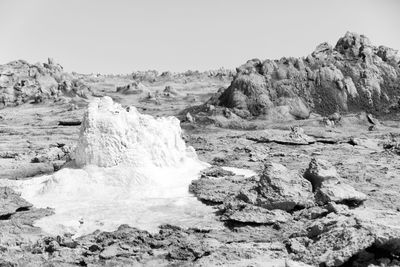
(21, 82)
(111, 135)
(329, 187)
(133, 88)
(352, 76)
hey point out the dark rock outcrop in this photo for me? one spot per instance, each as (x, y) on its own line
(352, 76)
(11, 202)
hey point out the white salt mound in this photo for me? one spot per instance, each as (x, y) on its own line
(111, 135)
(130, 169)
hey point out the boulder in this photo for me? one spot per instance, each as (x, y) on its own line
(329, 186)
(320, 171)
(340, 192)
(11, 202)
(280, 188)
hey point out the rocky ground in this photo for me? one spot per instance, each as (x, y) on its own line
(326, 191)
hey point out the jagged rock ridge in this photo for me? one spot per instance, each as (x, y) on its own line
(21, 82)
(352, 76)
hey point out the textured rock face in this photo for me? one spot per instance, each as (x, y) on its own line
(263, 199)
(352, 76)
(328, 185)
(284, 189)
(21, 82)
(11, 202)
(133, 88)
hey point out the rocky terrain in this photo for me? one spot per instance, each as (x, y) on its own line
(352, 76)
(320, 133)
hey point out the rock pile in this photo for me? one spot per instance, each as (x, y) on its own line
(21, 82)
(276, 188)
(315, 212)
(329, 187)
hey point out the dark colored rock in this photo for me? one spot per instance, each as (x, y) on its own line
(11, 202)
(352, 76)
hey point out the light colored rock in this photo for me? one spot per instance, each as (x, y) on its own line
(189, 117)
(320, 171)
(253, 214)
(283, 189)
(339, 193)
(110, 252)
(329, 186)
(290, 263)
(350, 87)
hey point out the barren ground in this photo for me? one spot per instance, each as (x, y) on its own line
(29, 131)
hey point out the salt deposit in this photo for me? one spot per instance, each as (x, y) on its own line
(129, 168)
(245, 172)
(112, 135)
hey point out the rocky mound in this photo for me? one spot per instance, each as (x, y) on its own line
(352, 76)
(133, 88)
(21, 82)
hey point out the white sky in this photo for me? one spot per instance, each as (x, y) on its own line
(120, 36)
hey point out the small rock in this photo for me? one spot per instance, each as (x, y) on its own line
(337, 208)
(52, 246)
(216, 171)
(94, 248)
(335, 117)
(372, 120)
(290, 263)
(340, 193)
(110, 252)
(189, 118)
(320, 171)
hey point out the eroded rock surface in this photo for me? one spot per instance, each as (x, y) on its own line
(11, 202)
(354, 75)
(328, 185)
(22, 82)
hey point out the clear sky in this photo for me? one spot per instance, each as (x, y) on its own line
(120, 36)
